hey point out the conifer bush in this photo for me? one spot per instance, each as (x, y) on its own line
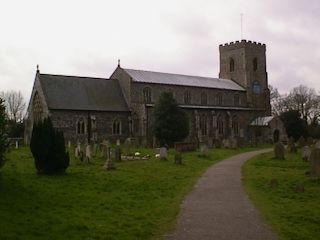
(3, 135)
(48, 148)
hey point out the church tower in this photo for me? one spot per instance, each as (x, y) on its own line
(245, 63)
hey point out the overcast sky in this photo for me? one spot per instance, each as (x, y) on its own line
(86, 38)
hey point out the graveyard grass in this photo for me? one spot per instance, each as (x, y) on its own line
(139, 200)
(291, 214)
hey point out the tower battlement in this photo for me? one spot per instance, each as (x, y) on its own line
(242, 43)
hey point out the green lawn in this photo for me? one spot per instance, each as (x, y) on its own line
(139, 200)
(291, 214)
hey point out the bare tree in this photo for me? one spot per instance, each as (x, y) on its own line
(15, 105)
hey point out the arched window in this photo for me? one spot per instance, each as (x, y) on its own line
(235, 125)
(203, 98)
(203, 125)
(81, 126)
(256, 87)
(219, 99)
(37, 108)
(236, 100)
(231, 65)
(116, 129)
(255, 64)
(187, 97)
(220, 124)
(147, 95)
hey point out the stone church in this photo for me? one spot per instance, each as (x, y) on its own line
(230, 106)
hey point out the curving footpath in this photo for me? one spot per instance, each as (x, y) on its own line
(218, 207)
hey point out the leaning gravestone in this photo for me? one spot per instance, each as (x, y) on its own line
(204, 151)
(315, 163)
(305, 153)
(163, 153)
(279, 150)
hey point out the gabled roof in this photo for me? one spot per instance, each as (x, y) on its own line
(82, 93)
(182, 80)
(261, 121)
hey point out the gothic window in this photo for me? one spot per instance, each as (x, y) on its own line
(236, 100)
(203, 125)
(37, 108)
(187, 97)
(255, 64)
(231, 65)
(235, 125)
(220, 126)
(116, 129)
(256, 87)
(147, 95)
(81, 126)
(203, 98)
(219, 99)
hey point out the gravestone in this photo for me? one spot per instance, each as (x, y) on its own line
(177, 158)
(217, 143)
(94, 149)
(127, 144)
(233, 143)
(109, 165)
(305, 153)
(204, 151)
(299, 187)
(118, 154)
(315, 163)
(226, 143)
(279, 150)
(69, 144)
(118, 142)
(291, 145)
(301, 142)
(163, 153)
(157, 151)
(88, 153)
(318, 144)
(17, 144)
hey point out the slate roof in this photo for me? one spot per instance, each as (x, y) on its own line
(82, 93)
(183, 80)
(261, 121)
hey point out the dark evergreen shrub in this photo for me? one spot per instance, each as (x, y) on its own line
(3, 134)
(48, 148)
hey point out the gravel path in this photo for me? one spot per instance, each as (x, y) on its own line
(218, 207)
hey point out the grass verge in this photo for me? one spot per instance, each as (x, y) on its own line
(291, 214)
(139, 200)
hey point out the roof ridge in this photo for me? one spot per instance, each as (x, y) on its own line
(72, 76)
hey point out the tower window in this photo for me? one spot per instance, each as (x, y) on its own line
(231, 65)
(256, 87)
(255, 64)
(37, 108)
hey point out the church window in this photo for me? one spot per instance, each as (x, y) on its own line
(37, 108)
(219, 99)
(204, 98)
(256, 87)
(203, 125)
(231, 65)
(81, 126)
(187, 97)
(220, 124)
(116, 129)
(147, 95)
(235, 125)
(236, 100)
(255, 64)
